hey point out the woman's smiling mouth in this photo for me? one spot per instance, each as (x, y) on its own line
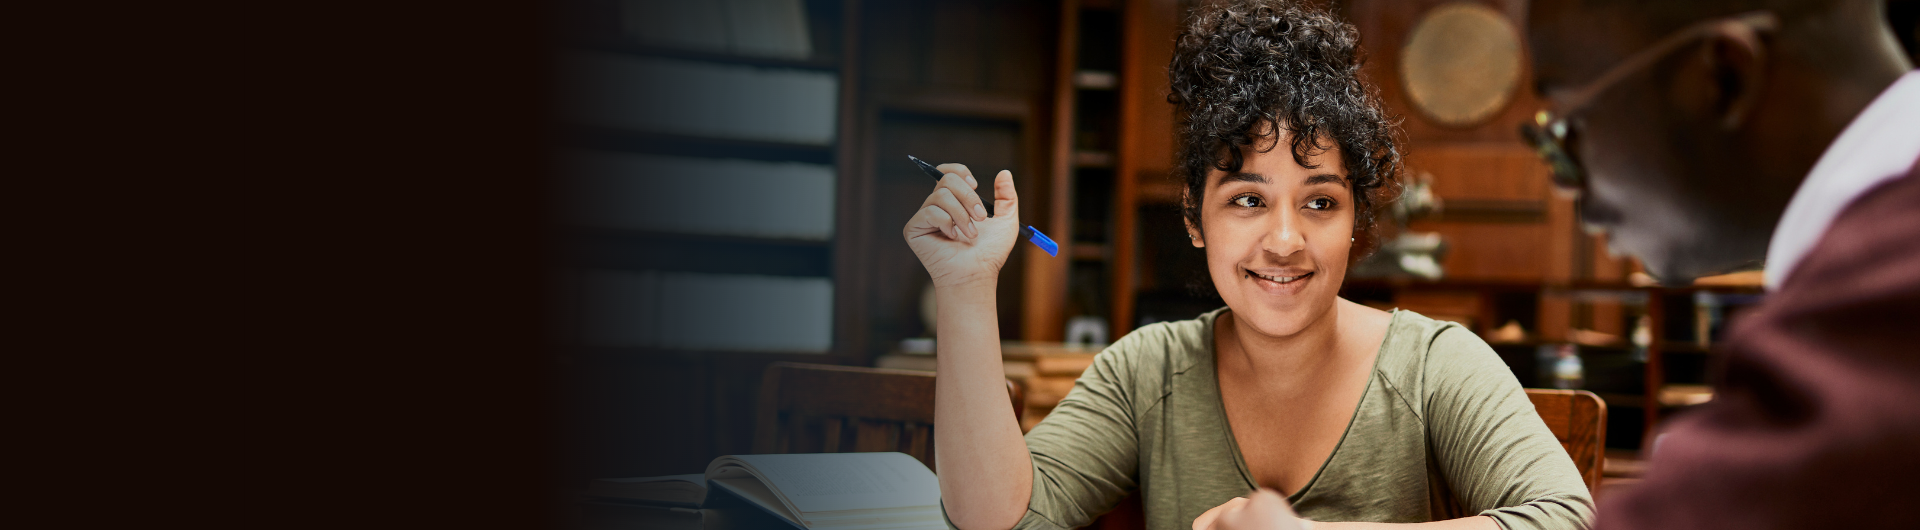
(1279, 279)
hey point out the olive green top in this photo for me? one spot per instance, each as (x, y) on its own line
(1442, 418)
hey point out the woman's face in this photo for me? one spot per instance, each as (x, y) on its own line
(1277, 236)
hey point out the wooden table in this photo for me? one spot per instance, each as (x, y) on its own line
(1046, 370)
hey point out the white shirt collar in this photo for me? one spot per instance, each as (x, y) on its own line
(1880, 145)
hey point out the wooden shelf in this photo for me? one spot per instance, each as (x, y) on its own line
(1092, 159)
(1160, 192)
(1095, 80)
(1088, 251)
(1670, 397)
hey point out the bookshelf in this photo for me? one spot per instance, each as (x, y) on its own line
(705, 146)
(1112, 155)
(659, 102)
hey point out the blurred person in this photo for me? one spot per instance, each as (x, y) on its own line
(1310, 406)
(1714, 135)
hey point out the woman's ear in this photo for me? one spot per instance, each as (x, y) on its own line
(1194, 234)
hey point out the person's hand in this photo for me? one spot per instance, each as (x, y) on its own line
(953, 236)
(1263, 510)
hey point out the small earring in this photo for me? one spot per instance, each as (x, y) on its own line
(1350, 240)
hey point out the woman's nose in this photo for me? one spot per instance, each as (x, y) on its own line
(1283, 237)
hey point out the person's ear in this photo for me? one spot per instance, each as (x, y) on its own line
(1193, 233)
(1731, 75)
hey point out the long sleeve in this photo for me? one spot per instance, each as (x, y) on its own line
(1499, 458)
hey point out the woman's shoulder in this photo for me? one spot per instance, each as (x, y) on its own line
(1163, 348)
(1413, 331)
(1420, 353)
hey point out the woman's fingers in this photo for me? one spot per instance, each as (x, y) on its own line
(956, 213)
(963, 190)
(1264, 509)
(1205, 520)
(966, 175)
(933, 218)
(1005, 199)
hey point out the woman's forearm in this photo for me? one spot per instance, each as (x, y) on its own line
(986, 475)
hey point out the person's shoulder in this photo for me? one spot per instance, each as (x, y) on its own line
(1162, 347)
(1420, 353)
(1871, 250)
(1432, 340)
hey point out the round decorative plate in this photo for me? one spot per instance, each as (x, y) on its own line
(1461, 63)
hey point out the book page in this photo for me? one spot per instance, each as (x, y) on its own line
(844, 481)
(752, 490)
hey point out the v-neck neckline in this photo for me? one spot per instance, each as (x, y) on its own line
(1233, 442)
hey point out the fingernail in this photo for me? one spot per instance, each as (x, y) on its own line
(971, 182)
(979, 212)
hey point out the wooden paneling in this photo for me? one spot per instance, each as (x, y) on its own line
(1145, 151)
(1045, 298)
(895, 276)
(1384, 25)
(1000, 46)
(1481, 171)
(951, 81)
(1492, 251)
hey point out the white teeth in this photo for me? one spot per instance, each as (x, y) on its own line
(1278, 279)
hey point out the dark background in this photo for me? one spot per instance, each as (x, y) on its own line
(278, 265)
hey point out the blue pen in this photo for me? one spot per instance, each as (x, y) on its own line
(1029, 233)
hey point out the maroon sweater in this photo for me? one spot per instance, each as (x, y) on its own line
(1815, 421)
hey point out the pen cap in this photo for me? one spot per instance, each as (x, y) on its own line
(1040, 240)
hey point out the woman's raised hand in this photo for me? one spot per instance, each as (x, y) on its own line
(953, 236)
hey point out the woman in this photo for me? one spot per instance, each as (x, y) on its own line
(1318, 406)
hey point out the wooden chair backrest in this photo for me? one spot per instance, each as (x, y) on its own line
(1578, 419)
(817, 408)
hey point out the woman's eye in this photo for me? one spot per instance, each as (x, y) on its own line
(1322, 203)
(1247, 201)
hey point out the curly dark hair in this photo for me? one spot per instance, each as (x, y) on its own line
(1241, 63)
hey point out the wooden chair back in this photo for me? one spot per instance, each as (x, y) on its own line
(1578, 419)
(817, 408)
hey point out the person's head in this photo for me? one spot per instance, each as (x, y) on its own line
(1284, 151)
(1711, 113)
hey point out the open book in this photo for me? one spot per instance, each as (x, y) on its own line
(865, 491)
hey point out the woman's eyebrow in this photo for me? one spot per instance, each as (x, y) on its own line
(1243, 176)
(1326, 178)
